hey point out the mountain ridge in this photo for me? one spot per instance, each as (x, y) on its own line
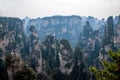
(65, 25)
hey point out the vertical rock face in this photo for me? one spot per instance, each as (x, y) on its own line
(109, 31)
(35, 54)
(65, 57)
(50, 53)
(88, 39)
(108, 39)
(79, 71)
(58, 55)
(86, 35)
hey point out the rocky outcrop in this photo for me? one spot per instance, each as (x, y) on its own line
(80, 70)
(50, 54)
(11, 35)
(35, 55)
(66, 57)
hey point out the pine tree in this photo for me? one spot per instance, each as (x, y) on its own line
(111, 69)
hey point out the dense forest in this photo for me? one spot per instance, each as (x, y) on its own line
(60, 48)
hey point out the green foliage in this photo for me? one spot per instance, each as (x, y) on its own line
(26, 73)
(111, 70)
(20, 70)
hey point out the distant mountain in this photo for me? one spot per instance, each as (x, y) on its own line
(67, 27)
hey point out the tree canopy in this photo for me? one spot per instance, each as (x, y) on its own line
(111, 69)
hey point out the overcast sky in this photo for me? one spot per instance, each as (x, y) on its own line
(41, 8)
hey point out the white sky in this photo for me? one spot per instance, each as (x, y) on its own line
(41, 8)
